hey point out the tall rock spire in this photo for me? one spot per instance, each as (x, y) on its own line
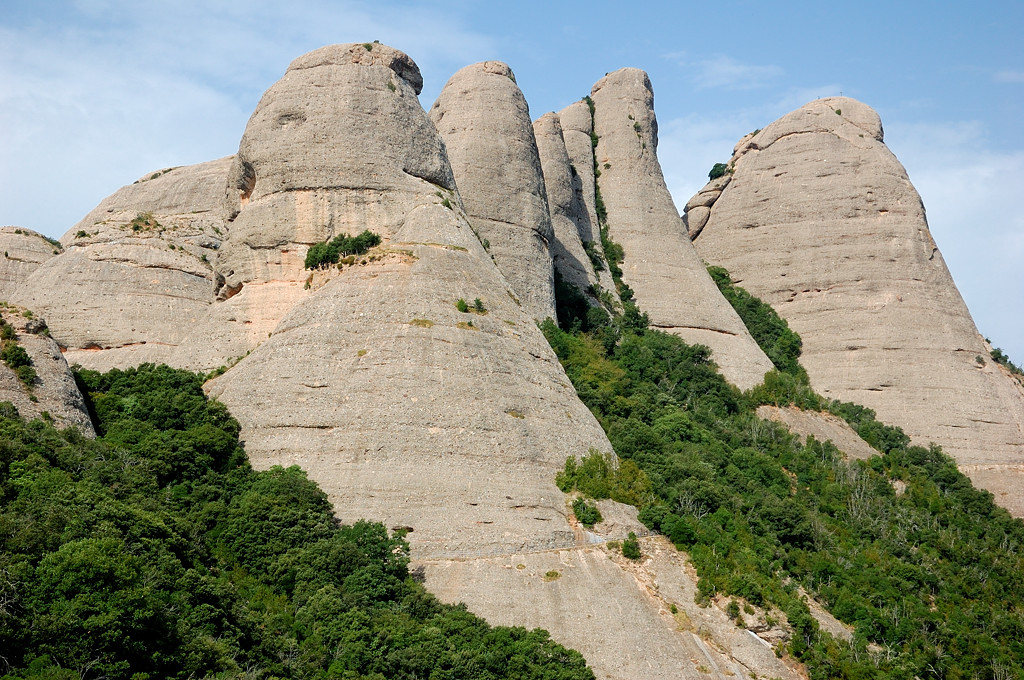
(670, 282)
(819, 219)
(485, 122)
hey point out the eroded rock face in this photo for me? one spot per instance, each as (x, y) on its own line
(137, 273)
(485, 122)
(669, 280)
(53, 393)
(569, 217)
(820, 220)
(23, 251)
(577, 124)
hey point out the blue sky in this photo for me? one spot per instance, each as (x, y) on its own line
(95, 94)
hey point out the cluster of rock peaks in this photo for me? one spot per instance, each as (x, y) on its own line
(452, 420)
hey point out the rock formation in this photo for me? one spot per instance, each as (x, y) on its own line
(24, 250)
(136, 275)
(484, 121)
(569, 216)
(52, 394)
(819, 219)
(669, 281)
(577, 124)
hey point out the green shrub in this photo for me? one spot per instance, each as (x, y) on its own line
(586, 513)
(462, 305)
(323, 254)
(14, 355)
(631, 547)
(718, 170)
(770, 331)
(478, 306)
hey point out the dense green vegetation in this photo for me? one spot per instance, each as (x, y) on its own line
(155, 551)
(770, 331)
(325, 253)
(929, 577)
(1000, 358)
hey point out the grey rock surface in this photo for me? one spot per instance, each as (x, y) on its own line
(584, 597)
(820, 220)
(485, 122)
(669, 280)
(569, 216)
(577, 124)
(54, 390)
(137, 273)
(23, 251)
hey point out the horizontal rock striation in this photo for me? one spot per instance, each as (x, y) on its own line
(819, 219)
(670, 282)
(23, 251)
(484, 121)
(137, 273)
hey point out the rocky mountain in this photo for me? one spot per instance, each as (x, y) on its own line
(818, 218)
(484, 121)
(412, 382)
(670, 282)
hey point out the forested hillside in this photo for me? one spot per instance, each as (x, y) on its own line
(923, 566)
(156, 551)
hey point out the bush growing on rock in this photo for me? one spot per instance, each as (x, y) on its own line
(326, 253)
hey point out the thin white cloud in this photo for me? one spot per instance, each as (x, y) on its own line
(105, 92)
(725, 72)
(1008, 77)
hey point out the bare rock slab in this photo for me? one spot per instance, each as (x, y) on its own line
(485, 122)
(23, 251)
(137, 273)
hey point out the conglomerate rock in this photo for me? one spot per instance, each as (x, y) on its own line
(565, 203)
(819, 219)
(670, 282)
(52, 394)
(577, 124)
(485, 122)
(136, 274)
(23, 251)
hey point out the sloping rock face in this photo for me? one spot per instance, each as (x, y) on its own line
(569, 215)
(822, 426)
(24, 250)
(670, 282)
(820, 220)
(485, 122)
(136, 275)
(53, 394)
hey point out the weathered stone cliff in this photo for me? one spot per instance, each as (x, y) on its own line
(136, 274)
(52, 394)
(819, 219)
(569, 218)
(670, 282)
(24, 250)
(484, 121)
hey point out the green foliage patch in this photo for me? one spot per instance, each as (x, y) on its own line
(155, 551)
(770, 331)
(928, 578)
(325, 253)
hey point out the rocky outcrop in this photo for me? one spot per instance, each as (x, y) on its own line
(822, 426)
(24, 250)
(569, 216)
(485, 122)
(819, 219)
(577, 124)
(49, 391)
(137, 273)
(670, 282)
